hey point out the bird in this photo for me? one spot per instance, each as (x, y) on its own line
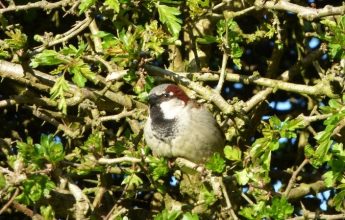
(178, 126)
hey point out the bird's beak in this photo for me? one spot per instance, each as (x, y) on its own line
(153, 99)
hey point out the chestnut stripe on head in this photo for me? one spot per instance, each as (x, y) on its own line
(178, 92)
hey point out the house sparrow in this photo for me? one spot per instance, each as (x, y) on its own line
(180, 127)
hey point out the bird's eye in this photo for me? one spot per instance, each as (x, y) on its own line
(166, 95)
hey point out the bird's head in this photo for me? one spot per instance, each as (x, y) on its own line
(167, 99)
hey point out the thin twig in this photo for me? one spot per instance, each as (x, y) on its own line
(223, 69)
(40, 114)
(233, 14)
(110, 161)
(227, 201)
(294, 177)
(247, 198)
(257, 98)
(337, 130)
(26, 211)
(9, 201)
(117, 117)
(79, 28)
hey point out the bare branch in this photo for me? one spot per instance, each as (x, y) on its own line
(304, 189)
(309, 119)
(16, 72)
(45, 5)
(320, 89)
(257, 98)
(96, 40)
(313, 215)
(23, 99)
(110, 161)
(119, 116)
(307, 13)
(82, 202)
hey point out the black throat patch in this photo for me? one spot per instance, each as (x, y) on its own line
(164, 127)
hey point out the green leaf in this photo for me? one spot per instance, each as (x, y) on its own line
(53, 151)
(84, 5)
(71, 50)
(254, 211)
(207, 39)
(149, 83)
(168, 16)
(34, 188)
(329, 178)
(266, 160)
(216, 163)
(242, 177)
(293, 124)
(280, 209)
(78, 78)
(190, 216)
(26, 150)
(59, 88)
(81, 72)
(338, 149)
(113, 4)
(86, 71)
(132, 181)
(197, 7)
(47, 212)
(208, 196)
(308, 151)
(335, 38)
(334, 104)
(228, 29)
(58, 91)
(258, 147)
(2, 181)
(130, 76)
(232, 153)
(47, 58)
(275, 122)
(158, 167)
(4, 54)
(94, 143)
(143, 96)
(17, 39)
(339, 198)
(321, 151)
(168, 215)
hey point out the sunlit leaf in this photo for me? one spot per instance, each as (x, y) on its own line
(85, 5)
(216, 163)
(169, 16)
(47, 58)
(232, 153)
